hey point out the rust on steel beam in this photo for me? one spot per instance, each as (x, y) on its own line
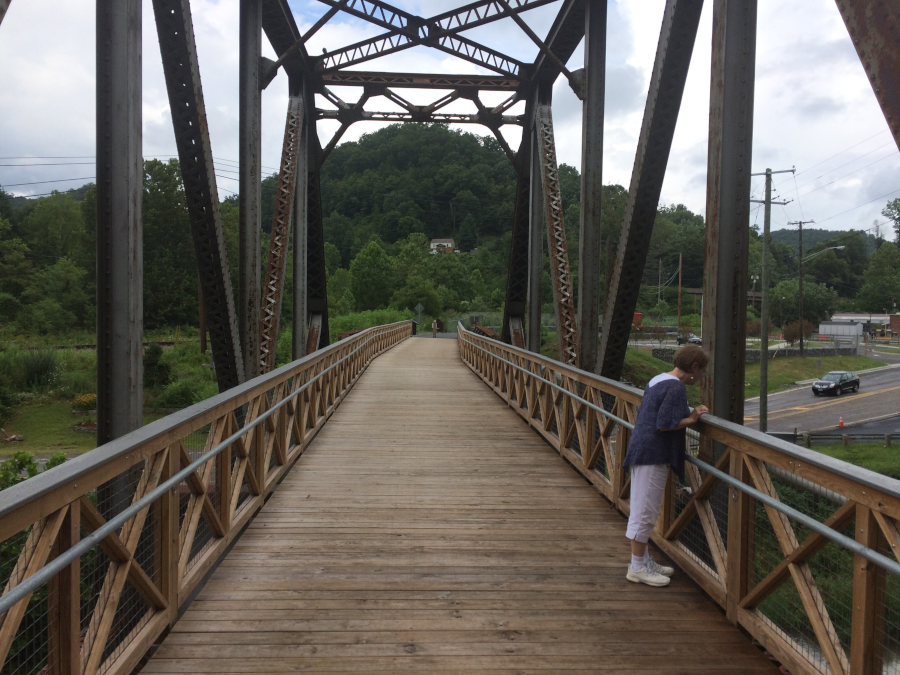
(316, 283)
(874, 27)
(560, 275)
(681, 20)
(182, 74)
(728, 205)
(356, 78)
(273, 286)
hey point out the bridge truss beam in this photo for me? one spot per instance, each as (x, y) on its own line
(273, 288)
(681, 20)
(250, 177)
(874, 26)
(728, 205)
(182, 73)
(120, 181)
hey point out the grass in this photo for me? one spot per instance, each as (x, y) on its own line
(784, 372)
(47, 429)
(872, 456)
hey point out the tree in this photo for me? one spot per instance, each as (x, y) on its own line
(56, 300)
(418, 289)
(371, 272)
(332, 258)
(468, 236)
(892, 211)
(792, 331)
(881, 287)
(170, 264)
(55, 227)
(818, 300)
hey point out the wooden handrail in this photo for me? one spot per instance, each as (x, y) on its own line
(734, 536)
(153, 554)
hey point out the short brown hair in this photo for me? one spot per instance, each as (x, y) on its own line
(689, 357)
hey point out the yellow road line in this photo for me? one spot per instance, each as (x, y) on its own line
(787, 412)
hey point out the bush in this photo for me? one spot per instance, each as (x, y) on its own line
(183, 393)
(39, 367)
(358, 320)
(8, 402)
(157, 373)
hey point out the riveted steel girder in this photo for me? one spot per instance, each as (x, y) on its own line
(589, 249)
(120, 182)
(356, 78)
(182, 73)
(299, 221)
(273, 287)
(681, 20)
(4, 5)
(560, 275)
(728, 205)
(317, 285)
(874, 26)
(250, 177)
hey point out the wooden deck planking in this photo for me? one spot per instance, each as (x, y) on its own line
(428, 530)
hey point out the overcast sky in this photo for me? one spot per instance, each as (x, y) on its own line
(814, 107)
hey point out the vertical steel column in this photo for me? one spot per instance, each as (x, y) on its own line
(589, 249)
(250, 177)
(728, 205)
(273, 289)
(874, 26)
(4, 5)
(317, 286)
(120, 185)
(182, 71)
(517, 277)
(299, 327)
(673, 59)
(535, 248)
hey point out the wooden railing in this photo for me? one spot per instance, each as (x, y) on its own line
(87, 594)
(798, 548)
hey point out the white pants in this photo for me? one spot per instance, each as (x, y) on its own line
(648, 482)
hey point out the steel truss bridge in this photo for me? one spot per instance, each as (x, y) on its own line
(486, 556)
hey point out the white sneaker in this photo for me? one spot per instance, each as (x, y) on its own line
(656, 568)
(645, 576)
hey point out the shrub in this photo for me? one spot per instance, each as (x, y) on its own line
(8, 402)
(39, 366)
(157, 373)
(183, 393)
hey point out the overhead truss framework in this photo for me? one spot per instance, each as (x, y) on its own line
(874, 26)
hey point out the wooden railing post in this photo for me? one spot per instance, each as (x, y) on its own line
(169, 535)
(866, 651)
(64, 591)
(741, 531)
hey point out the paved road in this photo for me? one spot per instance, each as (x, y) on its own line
(878, 397)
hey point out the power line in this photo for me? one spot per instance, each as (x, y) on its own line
(840, 153)
(41, 182)
(859, 206)
(822, 187)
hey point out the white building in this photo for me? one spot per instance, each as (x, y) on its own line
(841, 328)
(439, 246)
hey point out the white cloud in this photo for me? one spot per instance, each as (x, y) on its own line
(813, 100)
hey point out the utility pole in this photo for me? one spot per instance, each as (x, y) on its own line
(764, 304)
(678, 327)
(800, 224)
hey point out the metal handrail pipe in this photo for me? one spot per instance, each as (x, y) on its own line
(885, 484)
(17, 496)
(846, 542)
(58, 564)
(575, 396)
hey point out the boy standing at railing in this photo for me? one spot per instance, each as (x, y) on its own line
(658, 443)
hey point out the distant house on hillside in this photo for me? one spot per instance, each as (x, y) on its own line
(441, 246)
